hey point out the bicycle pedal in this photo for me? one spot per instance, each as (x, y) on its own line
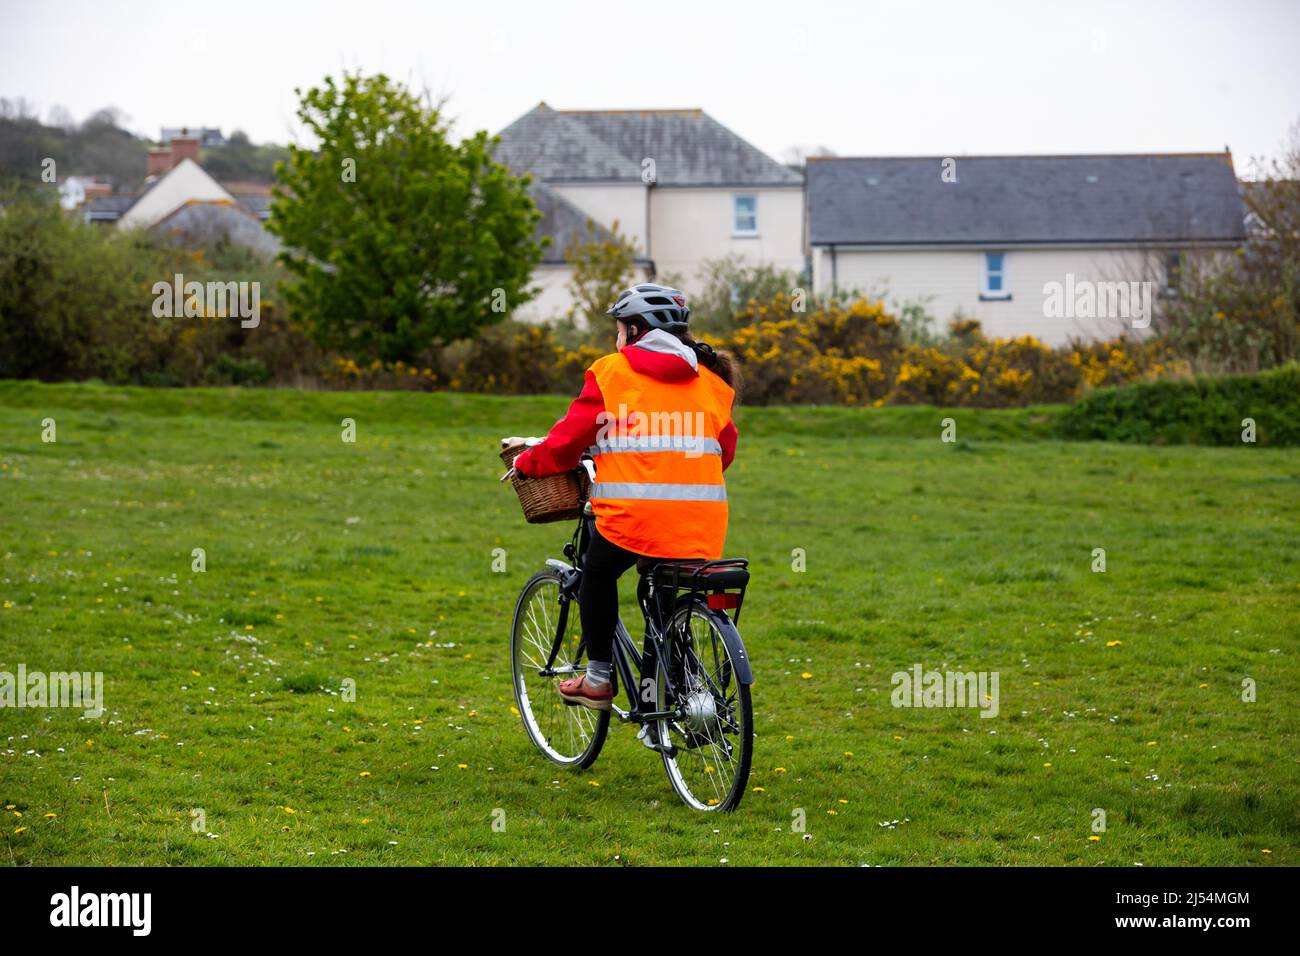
(644, 735)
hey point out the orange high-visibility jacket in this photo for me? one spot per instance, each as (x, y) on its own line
(659, 489)
(658, 426)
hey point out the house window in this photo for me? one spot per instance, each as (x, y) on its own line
(995, 277)
(744, 220)
(1173, 266)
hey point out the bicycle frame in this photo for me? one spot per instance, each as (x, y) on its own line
(687, 682)
(628, 661)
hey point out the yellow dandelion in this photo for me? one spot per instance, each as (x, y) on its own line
(51, 816)
(364, 773)
(289, 810)
(1114, 643)
(463, 766)
(805, 675)
(21, 830)
(1094, 838)
(778, 769)
(760, 790)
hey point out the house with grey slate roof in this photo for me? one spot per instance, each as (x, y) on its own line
(1026, 244)
(182, 202)
(680, 185)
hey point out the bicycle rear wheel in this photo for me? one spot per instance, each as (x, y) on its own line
(713, 743)
(569, 736)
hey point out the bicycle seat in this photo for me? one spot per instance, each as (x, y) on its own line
(693, 572)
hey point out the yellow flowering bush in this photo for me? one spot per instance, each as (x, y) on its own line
(1120, 361)
(834, 354)
(348, 373)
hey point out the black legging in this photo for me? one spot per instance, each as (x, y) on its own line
(602, 566)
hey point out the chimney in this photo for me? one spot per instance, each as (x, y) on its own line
(184, 146)
(160, 160)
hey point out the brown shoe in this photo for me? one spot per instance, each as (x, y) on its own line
(576, 690)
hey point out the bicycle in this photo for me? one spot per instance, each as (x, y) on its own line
(689, 686)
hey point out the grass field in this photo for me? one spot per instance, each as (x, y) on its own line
(325, 562)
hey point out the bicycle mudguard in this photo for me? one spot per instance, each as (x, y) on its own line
(735, 646)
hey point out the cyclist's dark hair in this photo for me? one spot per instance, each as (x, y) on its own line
(721, 362)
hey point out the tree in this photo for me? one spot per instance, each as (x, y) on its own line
(242, 160)
(399, 239)
(726, 287)
(1241, 313)
(604, 264)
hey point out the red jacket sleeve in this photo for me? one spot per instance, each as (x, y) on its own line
(569, 438)
(727, 439)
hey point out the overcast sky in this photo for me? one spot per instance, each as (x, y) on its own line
(860, 78)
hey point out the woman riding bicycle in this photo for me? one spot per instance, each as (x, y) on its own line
(656, 418)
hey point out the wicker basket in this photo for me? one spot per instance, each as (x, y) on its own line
(556, 498)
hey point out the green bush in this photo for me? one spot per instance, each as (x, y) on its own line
(1200, 411)
(75, 301)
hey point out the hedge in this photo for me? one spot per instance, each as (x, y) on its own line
(1199, 411)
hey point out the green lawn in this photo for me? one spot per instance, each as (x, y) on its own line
(373, 562)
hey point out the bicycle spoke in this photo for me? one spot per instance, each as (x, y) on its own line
(563, 732)
(710, 739)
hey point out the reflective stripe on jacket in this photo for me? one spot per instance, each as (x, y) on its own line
(659, 489)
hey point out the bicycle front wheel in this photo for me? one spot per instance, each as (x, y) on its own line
(712, 743)
(569, 736)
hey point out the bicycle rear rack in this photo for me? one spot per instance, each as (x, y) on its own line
(723, 582)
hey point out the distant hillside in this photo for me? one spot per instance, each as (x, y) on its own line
(97, 146)
(241, 160)
(100, 147)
